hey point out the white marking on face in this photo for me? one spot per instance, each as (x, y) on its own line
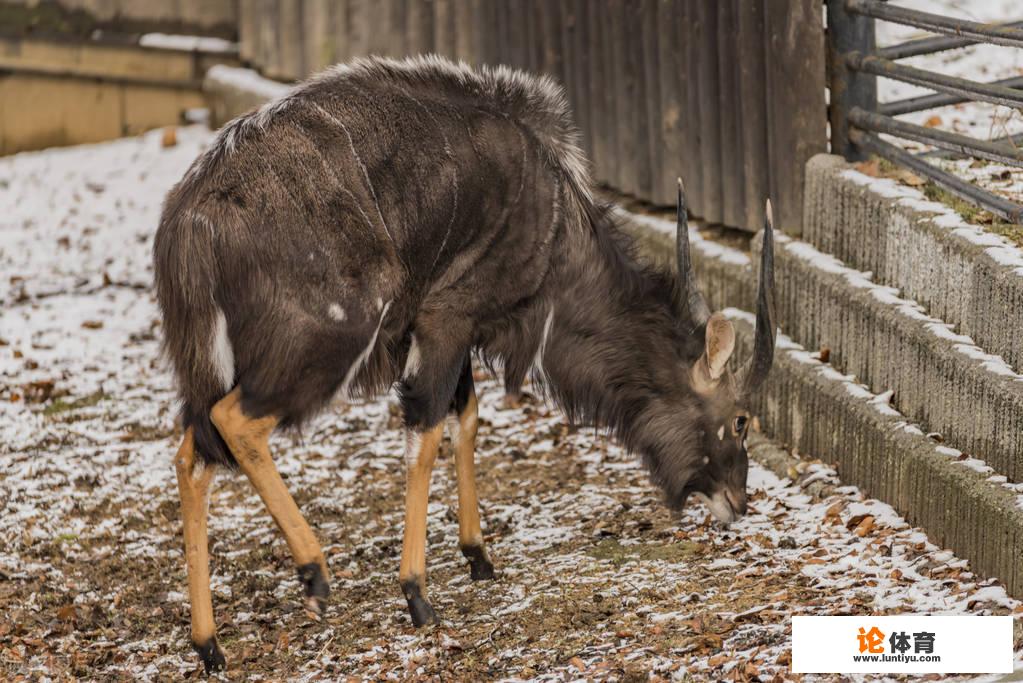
(221, 352)
(362, 357)
(719, 507)
(414, 360)
(721, 433)
(336, 312)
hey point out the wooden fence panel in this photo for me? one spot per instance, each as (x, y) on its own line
(751, 49)
(732, 181)
(728, 94)
(796, 124)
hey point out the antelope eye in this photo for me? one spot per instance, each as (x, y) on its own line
(739, 425)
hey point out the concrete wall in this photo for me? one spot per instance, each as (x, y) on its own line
(80, 17)
(55, 93)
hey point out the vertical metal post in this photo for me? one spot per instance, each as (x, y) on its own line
(848, 33)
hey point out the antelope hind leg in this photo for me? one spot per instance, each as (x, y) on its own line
(420, 454)
(194, 479)
(247, 438)
(463, 422)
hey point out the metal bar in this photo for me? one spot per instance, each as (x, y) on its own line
(997, 34)
(926, 46)
(940, 100)
(995, 94)
(1009, 140)
(847, 33)
(1009, 211)
(939, 138)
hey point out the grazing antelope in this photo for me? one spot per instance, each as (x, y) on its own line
(379, 224)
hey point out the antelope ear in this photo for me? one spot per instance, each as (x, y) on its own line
(720, 342)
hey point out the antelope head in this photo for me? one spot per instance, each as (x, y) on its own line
(725, 394)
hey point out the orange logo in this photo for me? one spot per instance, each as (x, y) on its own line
(871, 641)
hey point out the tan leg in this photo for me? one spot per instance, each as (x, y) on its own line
(470, 535)
(194, 479)
(420, 454)
(247, 438)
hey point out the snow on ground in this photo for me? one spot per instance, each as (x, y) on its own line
(596, 578)
(981, 62)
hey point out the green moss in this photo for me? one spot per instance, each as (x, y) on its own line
(58, 406)
(1010, 231)
(969, 212)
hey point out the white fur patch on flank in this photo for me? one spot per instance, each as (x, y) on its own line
(414, 360)
(361, 359)
(221, 352)
(413, 444)
(538, 359)
(336, 312)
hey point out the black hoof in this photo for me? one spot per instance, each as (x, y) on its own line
(480, 566)
(420, 610)
(211, 656)
(316, 587)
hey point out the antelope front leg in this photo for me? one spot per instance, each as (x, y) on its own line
(194, 479)
(464, 422)
(420, 453)
(247, 438)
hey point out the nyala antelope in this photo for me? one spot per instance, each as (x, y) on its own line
(378, 225)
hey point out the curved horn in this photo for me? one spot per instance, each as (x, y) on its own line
(694, 308)
(763, 342)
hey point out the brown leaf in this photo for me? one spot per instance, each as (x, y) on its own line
(578, 663)
(869, 167)
(933, 122)
(170, 137)
(67, 613)
(785, 658)
(825, 354)
(909, 178)
(864, 527)
(92, 324)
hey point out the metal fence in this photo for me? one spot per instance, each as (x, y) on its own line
(857, 120)
(727, 93)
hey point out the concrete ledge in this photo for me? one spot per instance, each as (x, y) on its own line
(725, 275)
(817, 410)
(231, 91)
(964, 275)
(939, 378)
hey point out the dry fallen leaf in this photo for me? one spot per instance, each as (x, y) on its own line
(864, 527)
(869, 167)
(933, 122)
(170, 137)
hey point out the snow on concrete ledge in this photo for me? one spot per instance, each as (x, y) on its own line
(816, 409)
(944, 379)
(963, 274)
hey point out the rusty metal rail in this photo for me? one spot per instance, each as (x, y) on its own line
(857, 119)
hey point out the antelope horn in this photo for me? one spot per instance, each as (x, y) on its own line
(759, 364)
(694, 308)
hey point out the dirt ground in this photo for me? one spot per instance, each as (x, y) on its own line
(596, 579)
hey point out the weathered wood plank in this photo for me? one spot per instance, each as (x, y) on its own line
(709, 205)
(652, 99)
(796, 116)
(732, 179)
(753, 112)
